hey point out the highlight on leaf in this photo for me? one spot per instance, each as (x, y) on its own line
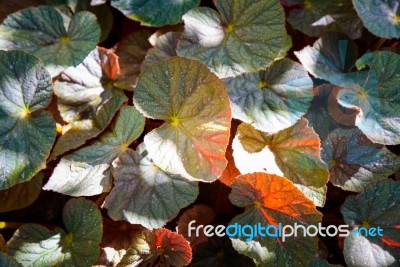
(87, 171)
(232, 41)
(273, 99)
(143, 193)
(377, 206)
(293, 153)
(194, 104)
(27, 132)
(40, 31)
(87, 99)
(269, 200)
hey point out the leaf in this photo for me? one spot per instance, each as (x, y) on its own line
(273, 99)
(218, 252)
(317, 17)
(103, 13)
(270, 199)
(168, 247)
(117, 238)
(164, 49)
(7, 261)
(194, 104)
(354, 161)
(131, 52)
(203, 215)
(21, 195)
(144, 194)
(40, 32)
(231, 172)
(86, 172)
(377, 206)
(87, 99)
(234, 41)
(35, 245)
(27, 133)
(330, 55)
(295, 150)
(375, 94)
(155, 13)
(380, 17)
(325, 114)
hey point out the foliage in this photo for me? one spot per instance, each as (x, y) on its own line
(138, 117)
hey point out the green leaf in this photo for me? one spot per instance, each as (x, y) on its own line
(354, 161)
(381, 17)
(35, 245)
(194, 104)
(40, 32)
(87, 171)
(296, 151)
(27, 133)
(375, 94)
(163, 49)
(273, 99)
(270, 199)
(131, 52)
(377, 206)
(325, 114)
(161, 245)
(316, 17)
(21, 195)
(7, 261)
(330, 55)
(158, 196)
(245, 36)
(70, 7)
(87, 99)
(155, 13)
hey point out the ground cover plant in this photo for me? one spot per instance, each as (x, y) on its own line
(123, 121)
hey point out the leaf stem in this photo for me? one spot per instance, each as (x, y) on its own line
(378, 44)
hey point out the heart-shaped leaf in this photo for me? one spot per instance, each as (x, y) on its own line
(27, 133)
(377, 206)
(35, 245)
(375, 94)
(86, 171)
(144, 194)
(162, 245)
(21, 195)
(270, 200)
(381, 17)
(330, 55)
(316, 17)
(293, 153)
(40, 31)
(155, 12)
(242, 37)
(87, 99)
(354, 161)
(194, 104)
(273, 99)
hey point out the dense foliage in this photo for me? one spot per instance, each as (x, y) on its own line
(122, 121)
